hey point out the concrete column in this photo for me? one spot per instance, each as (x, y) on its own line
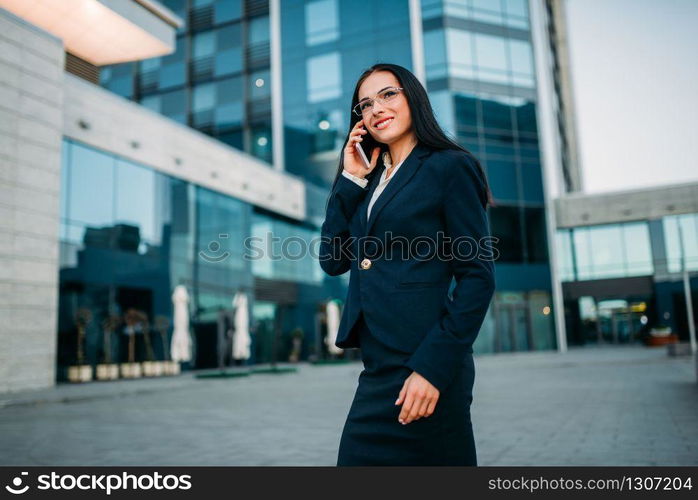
(31, 124)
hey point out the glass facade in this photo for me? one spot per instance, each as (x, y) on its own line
(216, 81)
(605, 251)
(681, 240)
(621, 280)
(480, 79)
(129, 234)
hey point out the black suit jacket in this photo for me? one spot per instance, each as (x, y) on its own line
(404, 294)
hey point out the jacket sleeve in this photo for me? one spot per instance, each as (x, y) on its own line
(442, 351)
(334, 234)
(358, 180)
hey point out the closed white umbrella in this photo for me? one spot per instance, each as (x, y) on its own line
(332, 312)
(180, 349)
(241, 337)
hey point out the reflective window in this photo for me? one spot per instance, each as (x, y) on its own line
(258, 30)
(536, 235)
(563, 248)
(217, 53)
(227, 10)
(218, 103)
(164, 72)
(516, 13)
(521, 57)
(488, 11)
(505, 224)
(321, 21)
(612, 250)
(501, 175)
(228, 58)
(324, 77)
(532, 182)
(512, 13)
(170, 104)
(221, 231)
(91, 187)
(288, 251)
(461, 53)
(135, 199)
(681, 233)
(118, 78)
(435, 45)
(491, 57)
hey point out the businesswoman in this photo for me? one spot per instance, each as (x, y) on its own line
(405, 226)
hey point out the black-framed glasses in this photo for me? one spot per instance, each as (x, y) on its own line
(385, 95)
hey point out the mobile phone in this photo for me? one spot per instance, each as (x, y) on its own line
(363, 155)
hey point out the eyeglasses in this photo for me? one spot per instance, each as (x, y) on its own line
(385, 95)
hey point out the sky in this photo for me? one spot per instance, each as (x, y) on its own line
(635, 82)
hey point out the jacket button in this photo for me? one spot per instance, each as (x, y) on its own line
(365, 264)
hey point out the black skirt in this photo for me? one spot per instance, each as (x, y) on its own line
(372, 434)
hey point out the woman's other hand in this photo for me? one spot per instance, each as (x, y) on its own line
(419, 397)
(353, 163)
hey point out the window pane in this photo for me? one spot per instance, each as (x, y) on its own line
(204, 44)
(606, 251)
(638, 254)
(488, 11)
(536, 236)
(460, 53)
(135, 198)
(491, 52)
(259, 30)
(91, 187)
(435, 46)
(506, 225)
(491, 58)
(321, 20)
(324, 77)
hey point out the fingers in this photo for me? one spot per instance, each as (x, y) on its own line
(418, 403)
(401, 396)
(406, 408)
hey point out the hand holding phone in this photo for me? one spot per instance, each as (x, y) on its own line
(355, 160)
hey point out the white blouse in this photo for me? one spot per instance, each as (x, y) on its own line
(382, 183)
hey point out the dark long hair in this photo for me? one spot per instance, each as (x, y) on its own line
(424, 124)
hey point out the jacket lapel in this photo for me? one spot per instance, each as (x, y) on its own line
(408, 168)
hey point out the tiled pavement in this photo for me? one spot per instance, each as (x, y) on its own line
(612, 405)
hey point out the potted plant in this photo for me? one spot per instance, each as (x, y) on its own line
(108, 370)
(81, 372)
(162, 325)
(151, 368)
(661, 334)
(131, 369)
(296, 344)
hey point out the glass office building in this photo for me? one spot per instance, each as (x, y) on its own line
(622, 279)
(129, 234)
(480, 77)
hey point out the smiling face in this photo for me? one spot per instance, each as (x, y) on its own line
(397, 109)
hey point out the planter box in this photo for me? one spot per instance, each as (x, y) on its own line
(172, 367)
(152, 368)
(663, 340)
(80, 373)
(130, 370)
(107, 371)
